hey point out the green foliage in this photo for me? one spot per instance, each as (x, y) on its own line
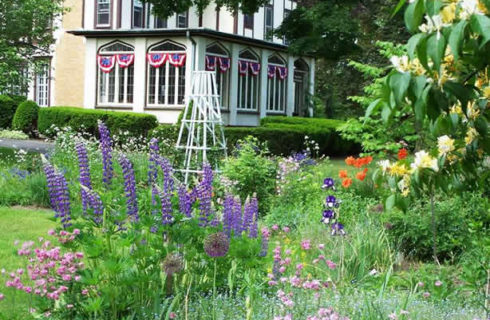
(12, 134)
(85, 120)
(314, 122)
(460, 221)
(7, 111)
(251, 172)
(25, 118)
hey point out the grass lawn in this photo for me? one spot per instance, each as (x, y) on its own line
(20, 224)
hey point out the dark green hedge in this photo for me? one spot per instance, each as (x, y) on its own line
(282, 139)
(316, 122)
(137, 124)
(25, 118)
(7, 111)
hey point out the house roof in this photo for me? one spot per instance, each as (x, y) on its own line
(218, 35)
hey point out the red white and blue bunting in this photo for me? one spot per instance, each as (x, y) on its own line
(156, 60)
(254, 68)
(242, 67)
(271, 71)
(125, 60)
(224, 64)
(282, 72)
(106, 63)
(176, 59)
(211, 63)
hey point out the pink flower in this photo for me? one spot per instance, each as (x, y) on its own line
(438, 283)
(287, 252)
(420, 284)
(282, 269)
(51, 232)
(84, 292)
(2, 296)
(172, 315)
(426, 294)
(306, 244)
(285, 229)
(321, 246)
(76, 231)
(20, 271)
(299, 266)
(275, 227)
(331, 264)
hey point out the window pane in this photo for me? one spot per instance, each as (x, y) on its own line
(182, 20)
(248, 21)
(151, 86)
(171, 84)
(103, 12)
(161, 85)
(42, 85)
(112, 86)
(181, 88)
(130, 84)
(160, 23)
(121, 85)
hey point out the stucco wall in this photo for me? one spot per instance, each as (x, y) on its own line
(69, 60)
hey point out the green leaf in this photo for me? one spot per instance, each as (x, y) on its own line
(372, 107)
(457, 33)
(414, 14)
(433, 7)
(390, 202)
(398, 7)
(399, 83)
(463, 93)
(421, 50)
(481, 126)
(385, 113)
(418, 85)
(481, 25)
(413, 43)
(436, 46)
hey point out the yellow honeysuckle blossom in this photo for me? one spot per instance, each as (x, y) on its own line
(402, 64)
(456, 109)
(398, 170)
(416, 67)
(424, 160)
(434, 23)
(486, 92)
(472, 112)
(445, 145)
(448, 13)
(470, 135)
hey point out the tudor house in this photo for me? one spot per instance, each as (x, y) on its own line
(133, 61)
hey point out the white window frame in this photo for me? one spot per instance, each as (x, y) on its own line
(99, 12)
(251, 85)
(103, 101)
(276, 92)
(138, 4)
(268, 28)
(152, 99)
(222, 80)
(186, 19)
(42, 84)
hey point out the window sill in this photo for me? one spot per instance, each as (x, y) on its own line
(165, 107)
(248, 111)
(112, 106)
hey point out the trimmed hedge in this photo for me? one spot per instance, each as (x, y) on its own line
(7, 111)
(137, 124)
(282, 139)
(25, 118)
(313, 122)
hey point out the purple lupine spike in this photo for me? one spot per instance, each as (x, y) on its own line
(228, 214)
(185, 204)
(59, 194)
(106, 148)
(129, 187)
(265, 242)
(237, 218)
(165, 199)
(95, 203)
(205, 194)
(254, 226)
(168, 180)
(153, 163)
(248, 216)
(84, 169)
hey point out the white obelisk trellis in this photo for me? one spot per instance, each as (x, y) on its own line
(200, 122)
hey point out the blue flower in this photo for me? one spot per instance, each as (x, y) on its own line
(338, 228)
(328, 183)
(331, 202)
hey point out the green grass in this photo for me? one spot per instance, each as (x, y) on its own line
(20, 224)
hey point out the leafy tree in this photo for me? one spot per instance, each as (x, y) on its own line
(165, 8)
(26, 31)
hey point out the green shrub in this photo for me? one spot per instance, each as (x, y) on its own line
(85, 120)
(7, 111)
(316, 122)
(12, 134)
(25, 118)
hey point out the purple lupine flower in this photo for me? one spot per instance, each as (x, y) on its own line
(84, 169)
(129, 187)
(205, 194)
(328, 183)
(166, 202)
(248, 214)
(254, 226)
(59, 194)
(153, 161)
(168, 180)
(237, 218)
(185, 203)
(228, 214)
(95, 203)
(106, 148)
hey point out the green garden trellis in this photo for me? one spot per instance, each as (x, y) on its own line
(201, 129)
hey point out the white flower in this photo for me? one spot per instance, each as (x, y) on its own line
(385, 165)
(424, 160)
(445, 145)
(402, 64)
(468, 8)
(434, 23)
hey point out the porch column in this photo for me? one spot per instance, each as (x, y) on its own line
(290, 87)
(235, 52)
(91, 69)
(200, 58)
(139, 75)
(311, 90)
(264, 59)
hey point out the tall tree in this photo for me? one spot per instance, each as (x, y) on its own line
(26, 32)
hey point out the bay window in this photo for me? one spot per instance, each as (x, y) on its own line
(276, 85)
(248, 81)
(166, 75)
(115, 75)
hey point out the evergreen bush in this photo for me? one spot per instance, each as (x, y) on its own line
(7, 111)
(25, 118)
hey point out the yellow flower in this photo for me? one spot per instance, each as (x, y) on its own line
(479, 151)
(486, 92)
(287, 241)
(472, 112)
(445, 145)
(404, 185)
(452, 158)
(456, 109)
(424, 160)
(416, 67)
(398, 170)
(482, 7)
(402, 64)
(470, 135)
(449, 13)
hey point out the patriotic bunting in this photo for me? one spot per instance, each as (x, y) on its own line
(176, 59)
(282, 72)
(242, 67)
(156, 60)
(106, 63)
(254, 68)
(224, 64)
(211, 63)
(271, 71)
(125, 60)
